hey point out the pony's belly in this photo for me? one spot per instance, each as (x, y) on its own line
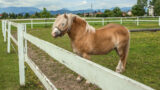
(101, 52)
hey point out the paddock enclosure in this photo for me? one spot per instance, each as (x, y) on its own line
(32, 36)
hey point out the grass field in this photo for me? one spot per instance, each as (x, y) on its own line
(143, 60)
(9, 71)
(142, 64)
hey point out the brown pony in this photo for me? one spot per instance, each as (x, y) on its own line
(87, 41)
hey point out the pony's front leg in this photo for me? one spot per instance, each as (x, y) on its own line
(87, 57)
(79, 78)
(84, 55)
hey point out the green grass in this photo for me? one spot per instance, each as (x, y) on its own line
(142, 63)
(143, 60)
(9, 71)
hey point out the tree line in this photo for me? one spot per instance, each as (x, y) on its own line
(116, 12)
(43, 14)
(137, 10)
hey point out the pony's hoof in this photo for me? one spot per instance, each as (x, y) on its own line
(79, 79)
(119, 70)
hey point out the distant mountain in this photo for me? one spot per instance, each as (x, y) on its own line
(64, 10)
(18, 10)
(102, 10)
(32, 10)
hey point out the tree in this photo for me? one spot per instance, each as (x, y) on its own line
(157, 8)
(138, 10)
(79, 14)
(20, 15)
(117, 12)
(37, 15)
(12, 16)
(26, 15)
(45, 13)
(101, 15)
(4, 15)
(142, 2)
(152, 2)
(108, 13)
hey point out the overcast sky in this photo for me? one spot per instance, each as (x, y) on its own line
(69, 4)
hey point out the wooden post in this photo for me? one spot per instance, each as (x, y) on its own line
(103, 21)
(9, 35)
(31, 24)
(5, 23)
(121, 20)
(3, 27)
(25, 30)
(137, 21)
(21, 54)
(159, 20)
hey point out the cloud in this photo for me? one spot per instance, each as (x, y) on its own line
(70, 4)
(83, 2)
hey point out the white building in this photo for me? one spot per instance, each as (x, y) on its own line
(151, 10)
(129, 13)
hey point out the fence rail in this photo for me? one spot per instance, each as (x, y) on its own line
(85, 18)
(102, 20)
(96, 74)
(46, 82)
(141, 30)
(93, 72)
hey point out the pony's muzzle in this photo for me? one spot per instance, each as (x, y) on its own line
(56, 33)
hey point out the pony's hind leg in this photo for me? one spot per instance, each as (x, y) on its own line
(122, 51)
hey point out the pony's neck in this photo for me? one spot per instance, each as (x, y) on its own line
(78, 29)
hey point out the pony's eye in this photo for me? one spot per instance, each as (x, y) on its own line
(62, 24)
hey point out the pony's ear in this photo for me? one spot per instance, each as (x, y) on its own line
(57, 15)
(73, 18)
(65, 15)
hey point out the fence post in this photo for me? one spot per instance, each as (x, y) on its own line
(3, 27)
(121, 20)
(9, 35)
(25, 30)
(137, 21)
(21, 54)
(159, 20)
(103, 21)
(31, 24)
(5, 24)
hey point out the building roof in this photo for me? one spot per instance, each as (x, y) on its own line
(99, 13)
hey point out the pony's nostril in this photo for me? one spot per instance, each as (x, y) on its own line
(56, 33)
(52, 33)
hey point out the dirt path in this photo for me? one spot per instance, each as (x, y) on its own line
(60, 76)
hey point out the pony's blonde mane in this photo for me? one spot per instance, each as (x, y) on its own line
(89, 28)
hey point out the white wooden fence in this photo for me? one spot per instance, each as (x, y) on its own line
(103, 77)
(102, 20)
